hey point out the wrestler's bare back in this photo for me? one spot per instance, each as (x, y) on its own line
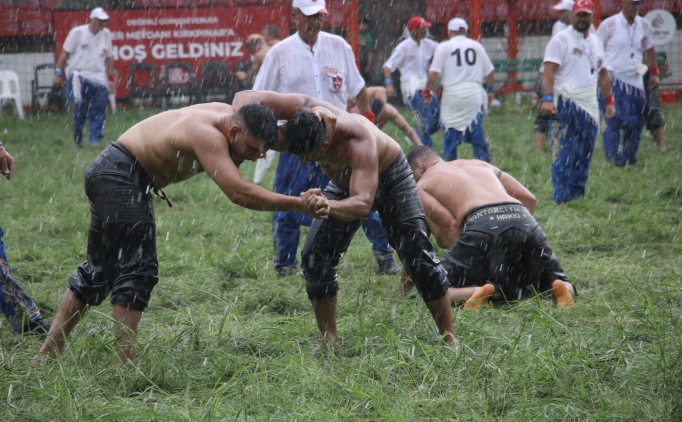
(464, 185)
(353, 135)
(165, 144)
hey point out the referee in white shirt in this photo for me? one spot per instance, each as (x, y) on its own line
(574, 67)
(627, 39)
(88, 51)
(463, 66)
(412, 57)
(320, 65)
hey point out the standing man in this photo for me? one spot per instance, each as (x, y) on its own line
(19, 309)
(627, 40)
(574, 66)
(366, 41)
(87, 49)
(463, 66)
(563, 8)
(412, 58)
(322, 66)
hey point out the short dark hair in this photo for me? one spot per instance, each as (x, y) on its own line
(422, 152)
(260, 122)
(304, 133)
(272, 30)
(376, 106)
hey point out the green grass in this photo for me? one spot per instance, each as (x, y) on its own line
(224, 339)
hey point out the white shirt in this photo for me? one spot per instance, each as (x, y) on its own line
(412, 59)
(461, 59)
(327, 73)
(624, 45)
(580, 59)
(88, 53)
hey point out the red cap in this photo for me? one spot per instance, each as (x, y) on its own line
(583, 6)
(417, 22)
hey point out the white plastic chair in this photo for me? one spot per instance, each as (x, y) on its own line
(7, 77)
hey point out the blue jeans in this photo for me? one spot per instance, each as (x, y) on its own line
(473, 135)
(629, 119)
(572, 136)
(291, 178)
(13, 300)
(95, 99)
(426, 118)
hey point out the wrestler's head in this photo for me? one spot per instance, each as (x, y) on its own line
(420, 159)
(305, 137)
(253, 131)
(376, 106)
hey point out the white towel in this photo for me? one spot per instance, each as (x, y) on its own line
(461, 103)
(410, 86)
(585, 98)
(94, 77)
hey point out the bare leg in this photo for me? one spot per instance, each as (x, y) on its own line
(540, 140)
(405, 283)
(480, 298)
(126, 324)
(325, 315)
(68, 314)
(659, 138)
(563, 294)
(441, 310)
(461, 294)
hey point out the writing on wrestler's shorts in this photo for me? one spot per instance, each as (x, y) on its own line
(503, 209)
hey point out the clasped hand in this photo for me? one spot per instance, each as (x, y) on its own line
(315, 204)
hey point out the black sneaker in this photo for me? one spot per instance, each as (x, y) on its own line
(41, 326)
(387, 264)
(285, 271)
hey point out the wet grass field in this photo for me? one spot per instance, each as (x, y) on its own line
(225, 339)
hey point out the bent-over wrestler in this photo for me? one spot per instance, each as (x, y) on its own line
(166, 148)
(485, 218)
(368, 171)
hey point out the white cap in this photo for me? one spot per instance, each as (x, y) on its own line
(563, 5)
(310, 7)
(99, 13)
(458, 24)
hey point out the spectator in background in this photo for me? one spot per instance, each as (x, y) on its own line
(574, 67)
(367, 44)
(271, 34)
(19, 309)
(258, 48)
(384, 112)
(655, 123)
(87, 49)
(412, 57)
(320, 65)
(563, 8)
(463, 65)
(627, 42)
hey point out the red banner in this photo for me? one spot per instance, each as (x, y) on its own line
(160, 36)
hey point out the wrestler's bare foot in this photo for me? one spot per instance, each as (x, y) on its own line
(480, 298)
(562, 295)
(324, 346)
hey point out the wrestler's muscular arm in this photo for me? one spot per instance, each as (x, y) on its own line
(517, 190)
(364, 180)
(442, 222)
(212, 151)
